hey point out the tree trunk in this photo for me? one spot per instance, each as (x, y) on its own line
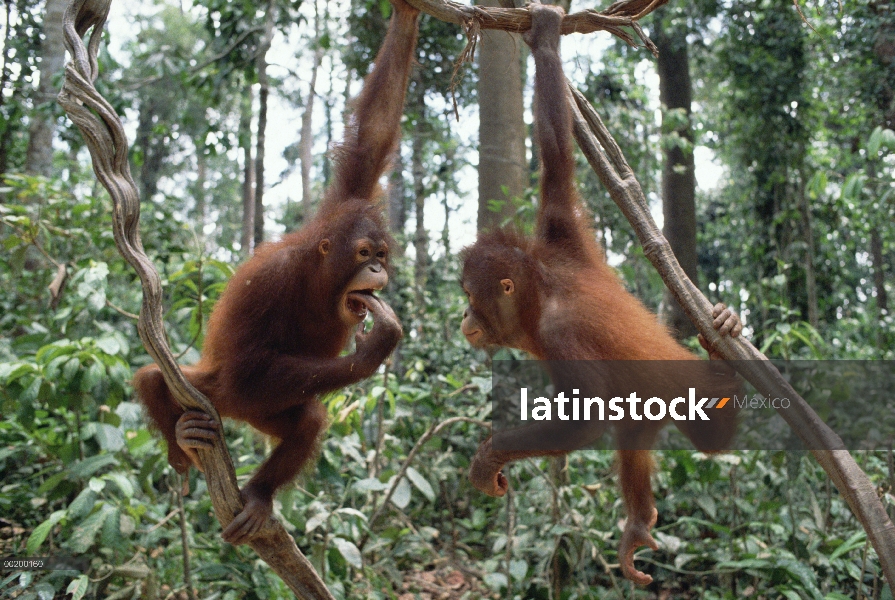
(201, 177)
(263, 93)
(4, 68)
(420, 238)
(39, 156)
(810, 275)
(153, 152)
(248, 177)
(397, 206)
(327, 164)
(306, 142)
(879, 272)
(678, 172)
(502, 168)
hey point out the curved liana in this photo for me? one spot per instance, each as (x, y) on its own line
(105, 138)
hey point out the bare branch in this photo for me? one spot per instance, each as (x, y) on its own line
(616, 19)
(432, 432)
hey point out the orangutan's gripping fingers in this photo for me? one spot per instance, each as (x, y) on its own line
(704, 343)
(636, 534)
(195, 429)
(546, 22)
(726, 321)
(255, 512)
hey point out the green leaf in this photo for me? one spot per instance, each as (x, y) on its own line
(353, 512)
(94, 375)
(111, 532)
(41, 532)
(888, 139)
(87, 467)
(82, 504)
(496, 581)
(109, 437)
(421, 483)
(875, 141)
(84, 534)
(124, 484)
(78, 587)
(401, 497)
(855, 541)
(70, 369)
(52, 482)
(804, 575)
(108, 344)
(349, 552)
(316, 521)
(371, 484)
(518, 569)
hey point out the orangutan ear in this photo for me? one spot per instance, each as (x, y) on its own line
(324, 247)
(508, 286)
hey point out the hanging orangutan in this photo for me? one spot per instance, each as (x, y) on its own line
(554, 296)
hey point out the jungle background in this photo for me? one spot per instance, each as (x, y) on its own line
(763, 136)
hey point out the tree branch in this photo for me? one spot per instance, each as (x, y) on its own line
(608, 162)
(616, 19)
(432, 432)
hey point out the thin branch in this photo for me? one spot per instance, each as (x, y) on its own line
(134, 85)
(121, 311)
(184, 539)
(432, 432)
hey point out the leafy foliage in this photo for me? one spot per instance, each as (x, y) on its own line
(799, 122)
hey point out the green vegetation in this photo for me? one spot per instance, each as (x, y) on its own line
(797, 236)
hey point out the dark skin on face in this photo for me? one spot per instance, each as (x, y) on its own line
(275, 338)
(554, 296)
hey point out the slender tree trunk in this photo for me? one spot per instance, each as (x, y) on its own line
(248, 177)
(879, 271)
(263, 93)
(397, 205)
(503, 172)
(810, 274)
(201, 201)
(153, 152)
(678, 171)
(7, 34)
(420, 238)
(327, 164)
(306, 142)
(39, 155)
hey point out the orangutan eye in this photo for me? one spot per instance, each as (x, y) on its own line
(365, 252)
(380, 254)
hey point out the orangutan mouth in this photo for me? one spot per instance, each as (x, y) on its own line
(357, 306)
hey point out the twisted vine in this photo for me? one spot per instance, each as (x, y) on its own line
(105, 138)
